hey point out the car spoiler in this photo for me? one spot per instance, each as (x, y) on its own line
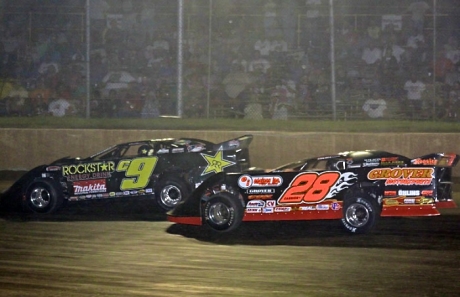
(437, 160)
(241, 142)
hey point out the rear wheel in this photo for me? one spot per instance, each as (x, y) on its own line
(43, 197)
(360, 214)
(170, 192)
(223, 212)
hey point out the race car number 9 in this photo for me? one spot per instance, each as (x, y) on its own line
(137, 172)
(309, 187)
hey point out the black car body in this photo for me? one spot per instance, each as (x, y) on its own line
(164, 169)
(357, 187)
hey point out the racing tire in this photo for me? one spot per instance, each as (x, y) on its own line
(43, 197)
(223, 212)
(360, 214)
(170, 192)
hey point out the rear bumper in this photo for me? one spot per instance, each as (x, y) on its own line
(446, 204)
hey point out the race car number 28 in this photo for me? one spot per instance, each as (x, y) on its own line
(137, 172)
(309, 187)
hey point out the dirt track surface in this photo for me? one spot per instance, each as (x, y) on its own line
(126, 248)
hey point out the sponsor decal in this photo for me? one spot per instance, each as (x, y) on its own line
(282, 209)
(260, 197)
(390, 193)
(235, 143)
(87, 176)
(149, 190)
(254, 210)
(335, 206)
(216, 163)
(371, 162)
(177, 150)
(309, 207)
(90, 186)
(408, 193)
(112, 194)
(163, 151)
(247, 181)
(354, 166)
(426, 201)
(255, 203)
(86, 168)
(425, 162)
(427, 193)
(260, 191)
(322, 207)
(313, 187)
(391, 161)
(125, 193)
(270, 203)
(267, 210)
(53, 168)
(409, 201)
(403, 176)
(195, 148)
(374, 160)
(390, 202)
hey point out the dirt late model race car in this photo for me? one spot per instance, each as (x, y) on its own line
(164, 169)
(355, 187)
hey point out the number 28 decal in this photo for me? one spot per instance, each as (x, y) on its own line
(309, 187)
(137, 172)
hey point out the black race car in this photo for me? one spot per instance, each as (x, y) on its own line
(356, 187)
(164, 169)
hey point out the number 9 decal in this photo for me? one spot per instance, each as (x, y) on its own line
(309, 187)
(138, 172)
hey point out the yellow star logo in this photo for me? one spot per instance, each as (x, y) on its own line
(104, 167)
(216, 163)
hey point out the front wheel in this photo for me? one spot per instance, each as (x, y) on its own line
(360, 215)
(170, 192)
(43, 197)
(223, 212)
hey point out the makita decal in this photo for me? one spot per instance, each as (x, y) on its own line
(89, 186)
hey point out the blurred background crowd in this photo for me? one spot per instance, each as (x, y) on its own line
(241, 58)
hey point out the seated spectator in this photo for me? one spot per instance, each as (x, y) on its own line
(18, 103)
(151, 107)
(61, 107)
(117, 80)
(40, 96)
(372, 53)
(414, 88)
(253, 109)
(258, 65)
(375, 107)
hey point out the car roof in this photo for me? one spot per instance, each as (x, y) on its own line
(364, 155)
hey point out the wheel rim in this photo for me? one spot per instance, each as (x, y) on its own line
(357, 215)
(170, 196)
(219, 213)
(40, 197)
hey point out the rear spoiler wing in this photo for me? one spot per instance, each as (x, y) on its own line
(437, 160)
(241, 142)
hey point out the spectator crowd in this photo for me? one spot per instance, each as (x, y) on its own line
(275, 64)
